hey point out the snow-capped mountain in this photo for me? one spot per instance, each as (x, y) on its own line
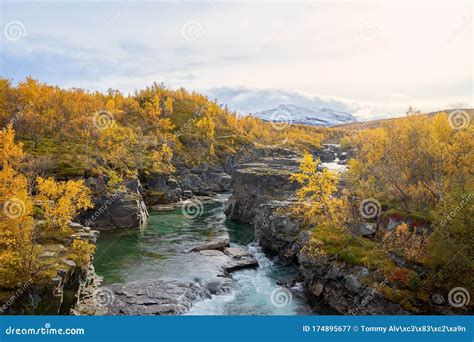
(306, 116)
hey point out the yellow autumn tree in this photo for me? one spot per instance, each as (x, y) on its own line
(17, 250)
(169, 105)
(421, 168)
(62, 201)
(317, 192)
(207, 127)
(160, 160)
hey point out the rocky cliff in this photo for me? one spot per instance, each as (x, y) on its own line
(262, 195)
(58, 292)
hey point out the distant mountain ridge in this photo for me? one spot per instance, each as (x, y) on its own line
(306, 116)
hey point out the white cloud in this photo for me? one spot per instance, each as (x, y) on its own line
(415, 53)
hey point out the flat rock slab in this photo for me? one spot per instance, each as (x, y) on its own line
(217, 244)
(236, 252)
(239, 258)
(211, 253)
(240, 264)
(153, 297)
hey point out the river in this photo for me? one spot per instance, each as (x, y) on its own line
(160, 251)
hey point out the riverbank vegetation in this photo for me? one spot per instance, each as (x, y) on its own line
(75, 133)
(415, 172)
(52, 139)
(30, 215)
(413, 181)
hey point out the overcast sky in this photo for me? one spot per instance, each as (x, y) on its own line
(371, 59)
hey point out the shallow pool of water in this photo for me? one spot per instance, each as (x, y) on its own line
(160, 251)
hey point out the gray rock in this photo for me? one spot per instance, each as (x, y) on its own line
(48, 254)
(365, 229)
(218, 244)
(211, 253)
(437, 299)
(317, 289)
(122, 209)
(154, 297)
(75, 225)
(259, 182)
(327, 156)
(334, 271)
(240, 264)
(352, 283)
(162, 189)
(391, 225)
(236, 252)
(219, 285)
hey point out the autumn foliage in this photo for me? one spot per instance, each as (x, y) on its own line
(72, 132)
(58, 202)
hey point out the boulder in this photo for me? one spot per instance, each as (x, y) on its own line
(122, 209)
(327, 156)
(219, 285)
(211, 253)
(364, 229)
(276, 231)
(217, 244)
(236, 252)
(151, 297)
(259, 182)
(162, 189)
(239, 264)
